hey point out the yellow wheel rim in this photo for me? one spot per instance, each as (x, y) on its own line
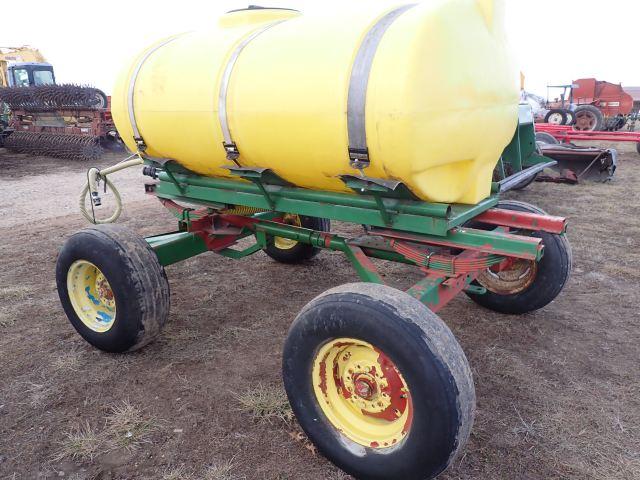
(91, 296)
(362, 393)
(285, 243)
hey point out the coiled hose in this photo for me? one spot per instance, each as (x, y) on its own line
(93, 177)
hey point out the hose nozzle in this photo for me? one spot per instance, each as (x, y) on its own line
(93, 177)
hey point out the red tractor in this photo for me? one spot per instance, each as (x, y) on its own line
(591, 105)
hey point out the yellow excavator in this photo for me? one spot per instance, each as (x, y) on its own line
(19, 63)
(40, 117)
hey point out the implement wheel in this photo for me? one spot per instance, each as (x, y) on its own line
(285, 250)
(112, 288)
(379, 383)
(525, 286)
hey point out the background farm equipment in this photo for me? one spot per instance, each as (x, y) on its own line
(530, 153)
(42, 118)
(566, 134)
(586, 104)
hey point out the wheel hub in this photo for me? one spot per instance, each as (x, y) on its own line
(362, 393)
(91, 296)
(585, 121)
(286, 243)
(514, 278)
(365, 387)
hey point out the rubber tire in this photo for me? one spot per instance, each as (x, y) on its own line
(570, 118)
(544, 137)
(138, 281)
(302, 251)
(553, 271)
(103, 102)
(555, 111)
(595, 111)
(425, 352)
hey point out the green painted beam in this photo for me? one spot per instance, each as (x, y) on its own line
(177, 246)
(406, 215)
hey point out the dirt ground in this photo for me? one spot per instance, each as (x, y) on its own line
(558, 390)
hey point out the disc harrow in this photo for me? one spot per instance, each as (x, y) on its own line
(75, 147)
(50, 97)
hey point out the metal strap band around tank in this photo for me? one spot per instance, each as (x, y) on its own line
(130, 94)
(357, 99)
(229, 145)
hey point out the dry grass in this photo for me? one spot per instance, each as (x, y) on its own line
(222, 471)
(266, 403)
(14, 293)
(177, 473)
(67, 361)
(10, 296)
(82, 443)
(39, 393)
(128, 427)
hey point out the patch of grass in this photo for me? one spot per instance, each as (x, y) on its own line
(82, 443)
(67, 361)
(266, 403)
(14, 292)
(6, 319)
(128, 426)
(39, 393)
(9, 298)
(222, 471)
(177, 473)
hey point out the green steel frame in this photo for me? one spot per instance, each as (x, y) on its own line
(437, 238)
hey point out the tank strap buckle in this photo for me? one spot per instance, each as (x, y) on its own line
(142, 146)
(232, 151)
(359, 158)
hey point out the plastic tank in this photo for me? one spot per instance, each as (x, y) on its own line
(440, 104)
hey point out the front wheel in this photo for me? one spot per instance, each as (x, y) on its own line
(526, 285)
(112, 288)
(379, 383)
(556, 116)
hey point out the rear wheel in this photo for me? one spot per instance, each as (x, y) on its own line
(112, 288)
(379, 383)
(588, 118)
(285, 250)
(524, 286)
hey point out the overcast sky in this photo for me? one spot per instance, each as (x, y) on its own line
(555, 41)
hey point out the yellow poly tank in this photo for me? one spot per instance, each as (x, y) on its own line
(424, 94)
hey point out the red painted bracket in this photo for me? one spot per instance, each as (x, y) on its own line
(523, 220)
